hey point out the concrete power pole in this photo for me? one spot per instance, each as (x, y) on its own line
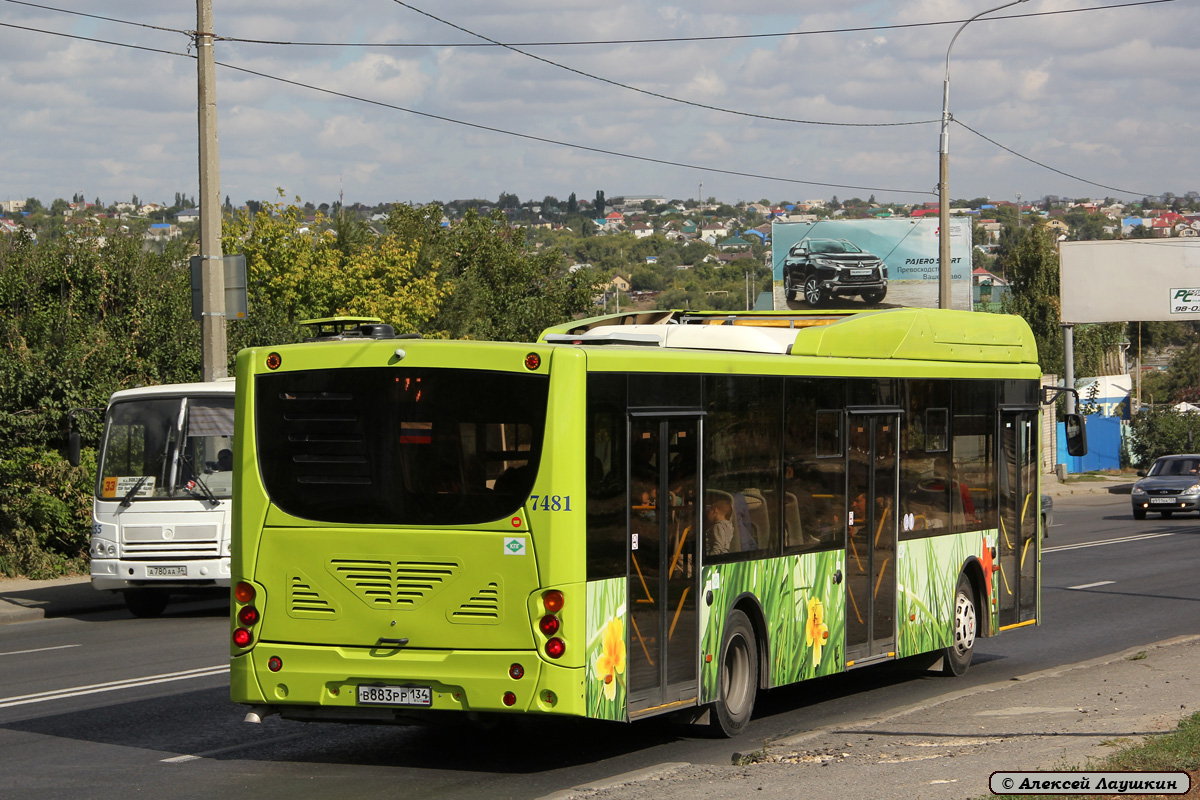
(212, 269)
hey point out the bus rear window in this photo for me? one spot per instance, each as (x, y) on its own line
(402, 447)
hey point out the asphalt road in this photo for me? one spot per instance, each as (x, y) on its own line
(105, 706)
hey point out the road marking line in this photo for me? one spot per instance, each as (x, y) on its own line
(39, 650)
(220, 751)
(1119, 540)
(1091, 585)
(112, 686)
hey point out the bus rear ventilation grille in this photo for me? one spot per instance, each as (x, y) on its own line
(394, 584)
(305, 600)
(482, 609)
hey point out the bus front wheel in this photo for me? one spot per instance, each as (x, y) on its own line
(146, 602)
(957, 657)
(737, 677)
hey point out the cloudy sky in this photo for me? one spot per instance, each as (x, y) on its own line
(392, 100)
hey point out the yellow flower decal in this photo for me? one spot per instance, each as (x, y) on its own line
(611, 661)
(816, 631)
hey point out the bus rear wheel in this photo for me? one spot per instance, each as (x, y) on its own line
(737, 676)
(957, 657)
(146, 602)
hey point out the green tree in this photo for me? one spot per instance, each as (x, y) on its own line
(502, 291)
(1031, 266)
(1161, 431)
(80, 317)
(296, 271)
(572, 204)
(598, 207)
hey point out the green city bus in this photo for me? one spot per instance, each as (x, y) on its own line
(638, 514)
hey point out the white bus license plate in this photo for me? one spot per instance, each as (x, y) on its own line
(166, 572)
(395, 695)
(859, 272)
(1162, 499)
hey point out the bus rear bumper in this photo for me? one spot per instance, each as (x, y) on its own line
(322, 683)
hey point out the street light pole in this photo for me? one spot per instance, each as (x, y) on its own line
(944, 171)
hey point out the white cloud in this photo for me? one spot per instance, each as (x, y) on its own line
(1105, 95)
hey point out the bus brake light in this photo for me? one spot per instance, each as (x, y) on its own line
(248, 616)
(556, 647)
(242, 637)
(549, 625)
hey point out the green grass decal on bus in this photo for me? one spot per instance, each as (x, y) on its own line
(803, 608)
(927, 571)
(606, 649)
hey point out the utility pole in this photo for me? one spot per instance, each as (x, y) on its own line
(213, 355)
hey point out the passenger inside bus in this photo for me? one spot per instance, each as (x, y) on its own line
(225, 461)
(718, 532)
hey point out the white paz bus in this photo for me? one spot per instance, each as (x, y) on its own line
(164, 489)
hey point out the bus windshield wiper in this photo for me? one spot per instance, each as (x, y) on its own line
(127, 500)
(204, 492)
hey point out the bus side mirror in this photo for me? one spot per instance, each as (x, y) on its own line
(73, 448)
(1076, 435)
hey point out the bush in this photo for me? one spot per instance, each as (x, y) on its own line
(45, 513)
(1158, 432)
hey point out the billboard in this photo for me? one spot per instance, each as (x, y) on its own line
(1130, 280)
(882, 263)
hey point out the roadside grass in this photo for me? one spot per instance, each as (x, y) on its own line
(1101, 475)
(1167, 752)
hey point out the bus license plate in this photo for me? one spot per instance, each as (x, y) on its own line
(1162, 499)
(166, 572)
(395, 695)
(859, 272)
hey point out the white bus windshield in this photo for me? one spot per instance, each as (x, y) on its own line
(158, 448)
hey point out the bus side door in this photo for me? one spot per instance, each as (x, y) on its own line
(664, 531)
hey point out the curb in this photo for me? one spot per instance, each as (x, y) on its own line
(986, 688)
(23, 600)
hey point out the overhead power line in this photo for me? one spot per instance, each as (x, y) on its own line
(668, 98)
(595, 42)
(544, 139)
(1047, 166)
(575, 146)
(478, 126)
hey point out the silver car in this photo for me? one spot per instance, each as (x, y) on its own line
(1171, 484)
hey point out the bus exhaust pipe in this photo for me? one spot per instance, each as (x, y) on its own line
(256, 714)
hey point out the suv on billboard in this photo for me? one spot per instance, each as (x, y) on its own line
(822, 268)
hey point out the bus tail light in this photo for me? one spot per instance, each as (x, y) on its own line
(246, 615)
(510, 699)
(553, 601)
(550, 623)
(516, 672)
(275, 663)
